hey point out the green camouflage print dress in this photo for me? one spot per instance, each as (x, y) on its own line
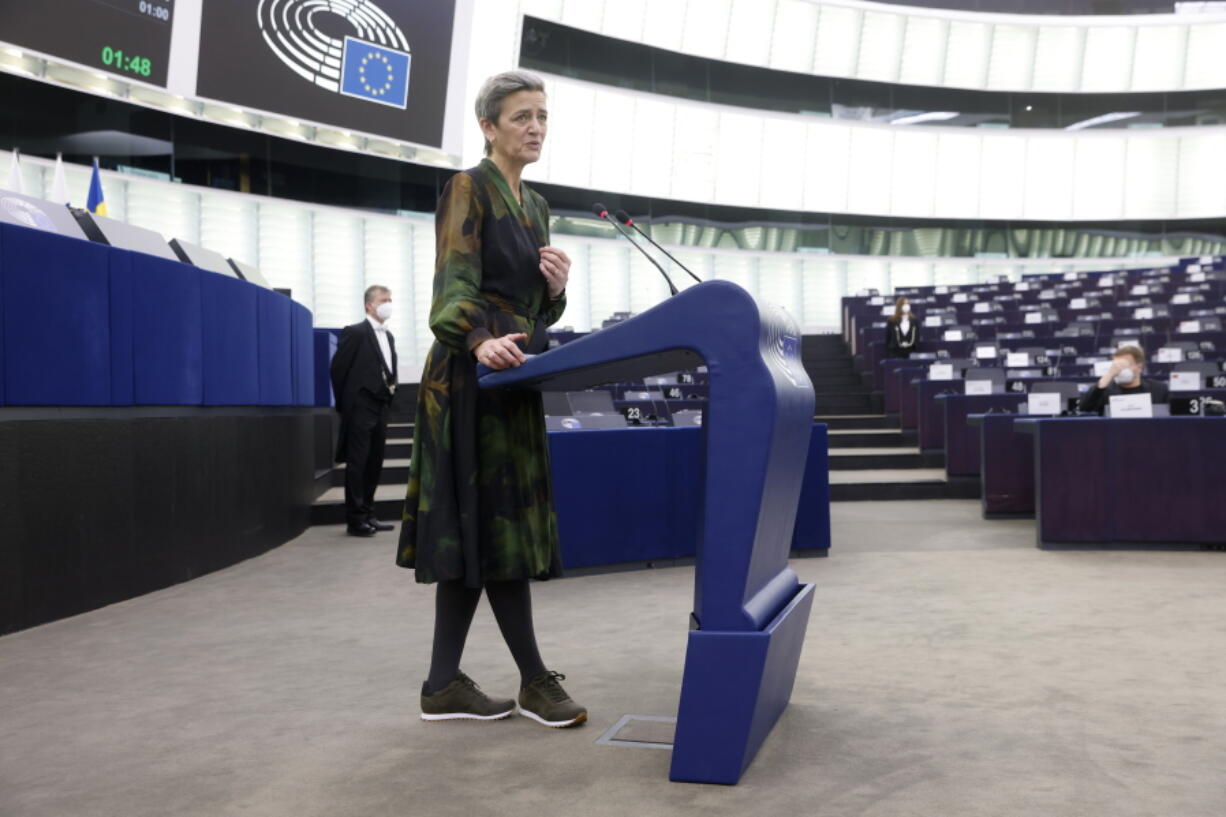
(479, 504)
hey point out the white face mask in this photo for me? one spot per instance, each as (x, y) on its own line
(1124, 377)
(384, 311)
(906, 308)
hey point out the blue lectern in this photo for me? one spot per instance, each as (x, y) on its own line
(750, 610)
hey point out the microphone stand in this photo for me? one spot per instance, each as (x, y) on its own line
(600, 210)
(624, 218)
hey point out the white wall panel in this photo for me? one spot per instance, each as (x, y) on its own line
(706, 28)
(1107, 65)
(838, 42)
(1157, 64)
(881, 40)
(923, 51)
(1002, 176)
(914, 173)
(1202, 174)
(1058, 58)
(955, 192)
(865, 40)
(795, 32)
(826, 160)
(612, 135)
(1011, 63)
(651, 167)
(738, 164)
(1049, 177)
(750, 26)
(1099, 176)
(1206, 45)
(782, 183)
(1151, 172)
(869, 174)
(967, 55)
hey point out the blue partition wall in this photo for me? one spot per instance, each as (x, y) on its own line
(83, 324)
(56, 306)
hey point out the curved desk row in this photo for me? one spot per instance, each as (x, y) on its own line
(85, 324)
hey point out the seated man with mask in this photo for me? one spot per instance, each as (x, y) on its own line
(1123, 377)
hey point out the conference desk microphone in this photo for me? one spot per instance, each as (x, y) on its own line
(624, 218)
(600, 210)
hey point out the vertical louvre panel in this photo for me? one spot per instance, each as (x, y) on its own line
(337, 259)
(387, 260)
(172, 210)
(228, 224)
(285, 251)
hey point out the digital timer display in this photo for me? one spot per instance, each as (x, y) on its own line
(126, 37)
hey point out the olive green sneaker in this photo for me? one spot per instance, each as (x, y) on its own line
(463, 699)
(544, 700)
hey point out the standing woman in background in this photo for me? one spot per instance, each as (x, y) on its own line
(479, 511)
(901, 330)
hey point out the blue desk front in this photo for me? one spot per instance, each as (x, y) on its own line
(1148, 482)
(141, 330)
(635, 495)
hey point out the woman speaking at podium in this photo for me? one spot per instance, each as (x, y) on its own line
(479, 510)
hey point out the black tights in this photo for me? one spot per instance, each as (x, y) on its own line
(454, 606)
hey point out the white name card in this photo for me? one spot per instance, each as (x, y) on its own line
(1170, 354)
(1022, 287)
(1139, 289)
(1122, 342)
(1185, 381)
(876, 300)
(1014, 359)
(953, 334)
(1047, 295)
(1194, 268)
(979, 387)
(941, 371)
(942, 290)
(1077, 303)
(1034, 317)
(1101, 367)
(1189, 327)
(982, 352)
(1131, 405)
(982, 306)
(1143, 313)
(1206, 259)
(1196, 277)
(887, 310)
(1181, 298)
(1046, 402)
(932, 320)
(1070, 276)
(1106, 281)
(960, 298)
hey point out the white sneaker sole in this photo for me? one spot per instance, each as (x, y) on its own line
(580, 718)
(465, 716)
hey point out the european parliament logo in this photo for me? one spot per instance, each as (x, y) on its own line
(375, 73)
(372, 65)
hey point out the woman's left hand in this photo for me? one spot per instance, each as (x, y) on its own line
(555, 266)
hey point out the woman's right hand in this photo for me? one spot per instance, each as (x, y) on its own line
(501, 353)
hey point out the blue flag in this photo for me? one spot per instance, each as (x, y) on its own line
(96, 203)
(375, 73)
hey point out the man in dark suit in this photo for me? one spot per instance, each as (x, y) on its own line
(363, 383)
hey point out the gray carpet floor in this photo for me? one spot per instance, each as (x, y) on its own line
(951, 668)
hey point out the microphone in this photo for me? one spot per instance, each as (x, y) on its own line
(624, 218)
(601, 211)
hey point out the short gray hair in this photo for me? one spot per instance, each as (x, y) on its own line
(372, 291)
(500, 86)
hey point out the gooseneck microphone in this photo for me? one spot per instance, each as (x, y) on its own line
(603, 212)
(624, 218)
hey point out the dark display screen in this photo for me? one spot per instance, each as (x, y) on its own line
(130, 38)
(377, 66)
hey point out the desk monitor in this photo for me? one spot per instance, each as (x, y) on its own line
(591, 402)
(249, 273)
(202, 257)
(28, 211)
(123, 235)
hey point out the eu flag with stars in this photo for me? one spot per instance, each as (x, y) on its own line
(375, 73)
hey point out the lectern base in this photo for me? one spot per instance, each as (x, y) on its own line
(736, 685)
